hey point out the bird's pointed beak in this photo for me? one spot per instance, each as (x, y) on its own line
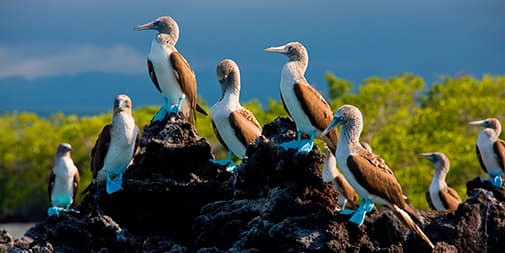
(281, 49)
(150, 25)
(477, 123)
(426, 156)
(335, 122)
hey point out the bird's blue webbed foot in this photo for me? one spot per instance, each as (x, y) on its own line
(305, 146)
(358, 215)
(54, 211)
(289, 145)
(230, 165)
(168, 109)
(496, 181)
(113, 185)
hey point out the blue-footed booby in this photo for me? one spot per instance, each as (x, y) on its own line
(491, 150)
(115, 146)
(234, 125)
(63, 182)
(170, 72)
(441, 197)
(304, 104)
(367, 173)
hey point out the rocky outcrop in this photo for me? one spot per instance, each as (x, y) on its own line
(175, 200)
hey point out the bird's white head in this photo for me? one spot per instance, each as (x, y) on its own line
(492, 123)
(295, 51)
(63, 150)
(164, 25)
(347, 116)
(122, 103)
(439, 159)
(228, 75)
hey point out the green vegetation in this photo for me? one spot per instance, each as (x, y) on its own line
(403, 118)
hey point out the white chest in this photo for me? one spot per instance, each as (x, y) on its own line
(486, 148)
(63, 189)
(160, 58)
(220, 113)
(435, 196)
(291, 101)
(122, 145)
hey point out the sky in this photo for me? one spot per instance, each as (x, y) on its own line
(75, 56)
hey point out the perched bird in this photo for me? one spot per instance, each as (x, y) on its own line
(304, 104)
(347, 197)
(367, 173)
(170, 72)
(63, 182)
(440, 196)
(491, 150)
(234, 125)
(115, 146)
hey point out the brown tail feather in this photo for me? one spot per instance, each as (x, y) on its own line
(413, 226)
(201, 110)
(412, 213)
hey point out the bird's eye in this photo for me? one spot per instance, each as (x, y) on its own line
(290, 49)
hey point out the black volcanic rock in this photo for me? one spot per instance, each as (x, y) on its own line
(175, 200)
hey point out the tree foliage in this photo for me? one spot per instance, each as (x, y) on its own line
(403, 117)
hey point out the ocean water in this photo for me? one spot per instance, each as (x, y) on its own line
(17, 229)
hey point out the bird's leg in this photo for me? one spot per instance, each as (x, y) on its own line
(230, 165)
(496, 180)
(305, 146)
(160, 115)
(358, 217)
(113, 185)
(294, 144)
(175, 108)
(54, 211)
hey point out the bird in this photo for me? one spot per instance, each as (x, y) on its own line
(304, 104)
(63, 182)
(441, 197)
(170, 72)
(234, 125)
(367, 173)
(491, 150)
(347, 196)
(115, 146)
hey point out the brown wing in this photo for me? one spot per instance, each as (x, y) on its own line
(499, 149)
(50, 185)
(449, 198)
(186, 78)
(346, 189)
(314, 105)
(77, 180)
(317, 109)
(375, 159)
(428, 199)
(100, 150)
(245, 125)
(152, 74)
(377, 181)
(480, 158)
(218, 135)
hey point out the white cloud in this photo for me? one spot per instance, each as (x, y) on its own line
(71, 60)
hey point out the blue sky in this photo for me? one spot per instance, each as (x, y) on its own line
(75, 56)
